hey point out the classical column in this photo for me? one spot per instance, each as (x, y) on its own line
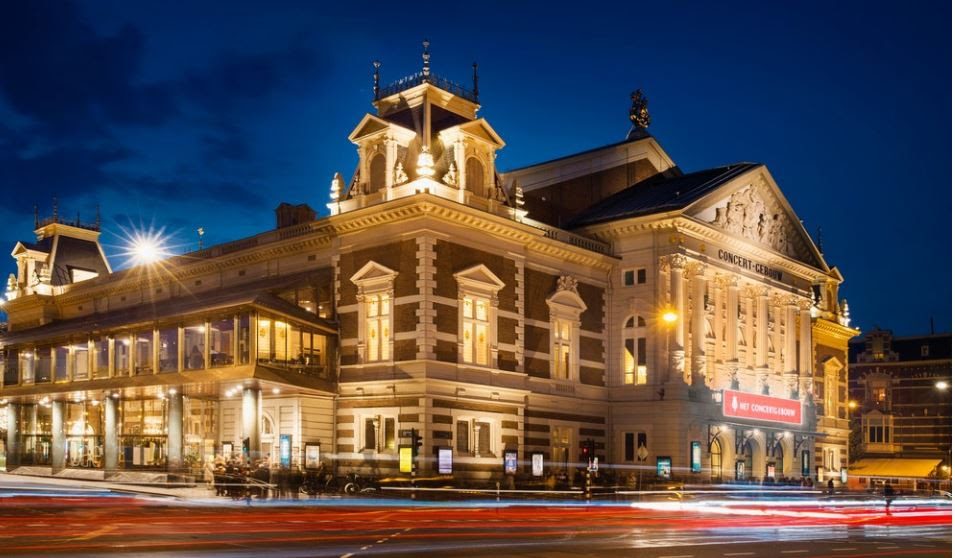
(698, 323)
(677, 354)
(762, 338)
(717, 287)
(251, 421)
(789, 349)
(174, 432)
(661, 358)
(391, 158)
(805, 349)
(13, 435)
(732, 329)
(110, 434)
(58, 432)
(748, 326)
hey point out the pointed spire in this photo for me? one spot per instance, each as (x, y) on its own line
(426, 58)
(474, 67)
(377, 65)
(819, 239)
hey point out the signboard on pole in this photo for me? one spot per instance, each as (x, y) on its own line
(771, 470)
(805, 463)
(752, 406)
(844, 475)
(445, 466)
(537, 464)
(285, 450)
(404, 459)
(696, 457)
(510, 461)
(740, 470)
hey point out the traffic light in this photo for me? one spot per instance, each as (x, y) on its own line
(587, 450)
(415, 442)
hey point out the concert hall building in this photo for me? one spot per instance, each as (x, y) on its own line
(679, 321)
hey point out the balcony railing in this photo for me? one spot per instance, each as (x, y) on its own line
(419, 78)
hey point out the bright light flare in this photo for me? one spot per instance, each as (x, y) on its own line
(941, 386)
(147, 248)
(669, 316)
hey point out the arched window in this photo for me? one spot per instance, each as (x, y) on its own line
(716, 460)
(267, 428)
(377, 173)
(635, 351)
(475, 176)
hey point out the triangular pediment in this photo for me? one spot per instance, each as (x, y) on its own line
(371, 125)
(479, 277)
(373, 273)
(753, 208)
(481, 129)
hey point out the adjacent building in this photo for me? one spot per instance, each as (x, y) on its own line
(901, 399)
(681, 321)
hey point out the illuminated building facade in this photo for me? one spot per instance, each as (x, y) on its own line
(491, 311)
(900, 389)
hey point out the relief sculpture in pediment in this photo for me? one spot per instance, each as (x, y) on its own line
(745, 214)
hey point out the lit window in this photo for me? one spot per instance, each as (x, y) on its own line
(379, 433)
(475, 331)
(378, 327)
(562, 349)
(634, 351)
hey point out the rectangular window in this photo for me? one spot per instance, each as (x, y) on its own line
(462, 435)
(475, 314)
(11, 368)
(629, 362)
(370, 437)
(561, 353)
(264, 340)
(144, 352)
(628, 278)
(878, 394)
(121, 354)
(244, 338)
(295, 355)
(44, 364)
(194, 346)
(81, 361)
(390, 434)
(169, 349)
(101, 357)
(484, 439)
(378, 327)
(628, 447)
(280, 349)
(61, 369)
(27, 365)
(641, 360)
(641, 276)
(221, 342)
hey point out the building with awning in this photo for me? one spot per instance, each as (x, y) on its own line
(901, 472)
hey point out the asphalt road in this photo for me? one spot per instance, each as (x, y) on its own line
(79, 523)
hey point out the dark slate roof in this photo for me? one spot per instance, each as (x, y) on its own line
(256, 294)
(658, 194)
(909, 348)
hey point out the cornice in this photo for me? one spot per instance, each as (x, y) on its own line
(834, 329)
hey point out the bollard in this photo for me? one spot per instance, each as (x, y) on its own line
(587, 486)
(498, 491)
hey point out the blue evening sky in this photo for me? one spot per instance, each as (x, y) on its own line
(208, 114)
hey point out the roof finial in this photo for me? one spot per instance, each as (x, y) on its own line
(639, 114)
(426, 57)
(36, 217)
(819, 238)
(98, 220)
(55, 209)
(377, 65)
(474, 66)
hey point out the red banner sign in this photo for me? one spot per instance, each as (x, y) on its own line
(761, 407)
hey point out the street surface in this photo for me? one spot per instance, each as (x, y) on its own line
(37, 519)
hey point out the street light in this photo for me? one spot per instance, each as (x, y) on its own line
(853, 404)
(669, 316)
(941, 386)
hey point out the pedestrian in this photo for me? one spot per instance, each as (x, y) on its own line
(831, 487)
(889, 494)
